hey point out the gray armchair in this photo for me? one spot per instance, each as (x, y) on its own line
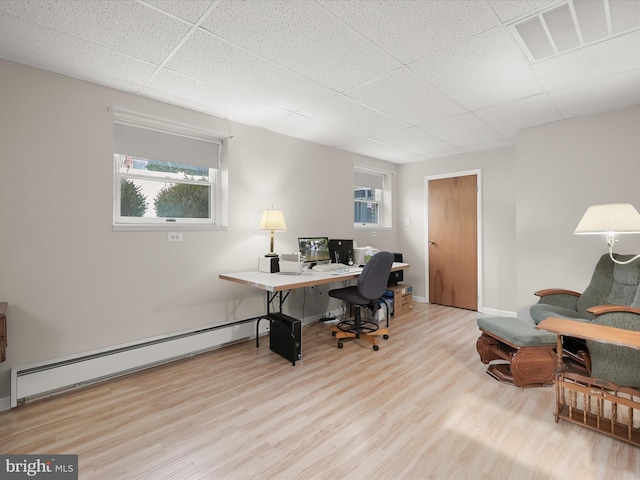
(611, 299)
(611, 284)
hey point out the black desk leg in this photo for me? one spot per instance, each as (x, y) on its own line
(270, 299)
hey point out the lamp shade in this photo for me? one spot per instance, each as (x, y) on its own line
(273, 220)
(609, 218)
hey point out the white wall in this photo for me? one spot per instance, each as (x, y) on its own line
(498, 219)
(562, 169)
(74, 285)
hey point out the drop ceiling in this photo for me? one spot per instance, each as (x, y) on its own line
(402, 81)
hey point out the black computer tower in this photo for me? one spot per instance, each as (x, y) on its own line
(398, 276)
(285, 336)
(341, 251)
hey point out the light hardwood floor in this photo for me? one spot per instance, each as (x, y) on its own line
(422, 407)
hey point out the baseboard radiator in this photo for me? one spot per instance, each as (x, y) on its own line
(49, 378)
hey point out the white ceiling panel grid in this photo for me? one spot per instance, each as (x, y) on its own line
(211, 60)
(410, 30)
(302, 36)
(399, 80)
(414, 100)
(125, 27)
(485, 70)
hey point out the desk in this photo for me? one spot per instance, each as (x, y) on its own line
(277, 285)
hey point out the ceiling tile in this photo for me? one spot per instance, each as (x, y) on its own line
(463, 130)
(303, 127)
(375, 149)
(348, 114)
(303, 37)
(489, 145)
(393, 79)
(486, 70)
(27, 43)
(173, 88)
(189, 10)
(412, 30)
(414, 140)
(508, 11)
(414, 101)
(126, 27)
(212, 60)
(611, 93)
(527, 112)
(617, 55)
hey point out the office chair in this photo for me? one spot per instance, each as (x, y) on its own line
(372, 284)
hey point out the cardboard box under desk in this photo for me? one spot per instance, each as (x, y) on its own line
(400, 298)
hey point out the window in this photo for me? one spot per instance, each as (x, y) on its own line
(372, 198)
(165, 175)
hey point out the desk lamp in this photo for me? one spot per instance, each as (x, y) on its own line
(272, 220)
(610, 219)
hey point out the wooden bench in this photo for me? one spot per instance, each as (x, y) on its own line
(517, 353)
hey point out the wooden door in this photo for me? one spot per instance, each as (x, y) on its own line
(453, 242)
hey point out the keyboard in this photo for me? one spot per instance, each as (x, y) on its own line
(329, 267)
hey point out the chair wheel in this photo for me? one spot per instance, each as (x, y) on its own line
(386, 337)
(340, 345)
(376, 348)
(333, 334)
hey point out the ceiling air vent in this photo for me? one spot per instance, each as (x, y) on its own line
(574, 24)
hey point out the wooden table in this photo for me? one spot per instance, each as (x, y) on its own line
(612, 420)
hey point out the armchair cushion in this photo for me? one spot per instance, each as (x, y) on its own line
(540, 311)
(516, 332)
(618, 365)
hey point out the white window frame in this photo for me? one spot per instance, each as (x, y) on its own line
(384, 202)
(218, 178)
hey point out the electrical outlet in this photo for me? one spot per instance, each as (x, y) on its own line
(374, 234)
(175, 236)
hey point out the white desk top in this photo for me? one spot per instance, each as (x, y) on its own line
(275, 282)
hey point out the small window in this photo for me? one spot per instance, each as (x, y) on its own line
(371, 196)
(164, 174)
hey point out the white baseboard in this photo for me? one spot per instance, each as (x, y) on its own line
(62, 374)
(498, 313)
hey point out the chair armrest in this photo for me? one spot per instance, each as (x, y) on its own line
(602, 309)
(556, 291)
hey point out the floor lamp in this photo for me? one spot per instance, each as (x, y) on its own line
(610, 219)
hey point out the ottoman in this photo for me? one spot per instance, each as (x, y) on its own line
(516, 352)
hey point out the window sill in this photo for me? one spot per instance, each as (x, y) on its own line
(173, 227)
(373, 227)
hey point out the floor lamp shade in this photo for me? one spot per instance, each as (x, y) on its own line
(610, 219)
(272, 220)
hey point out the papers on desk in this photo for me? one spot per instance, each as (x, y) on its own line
(345, 271)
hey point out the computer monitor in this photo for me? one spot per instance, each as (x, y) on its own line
(341, 251)
(314, 249)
